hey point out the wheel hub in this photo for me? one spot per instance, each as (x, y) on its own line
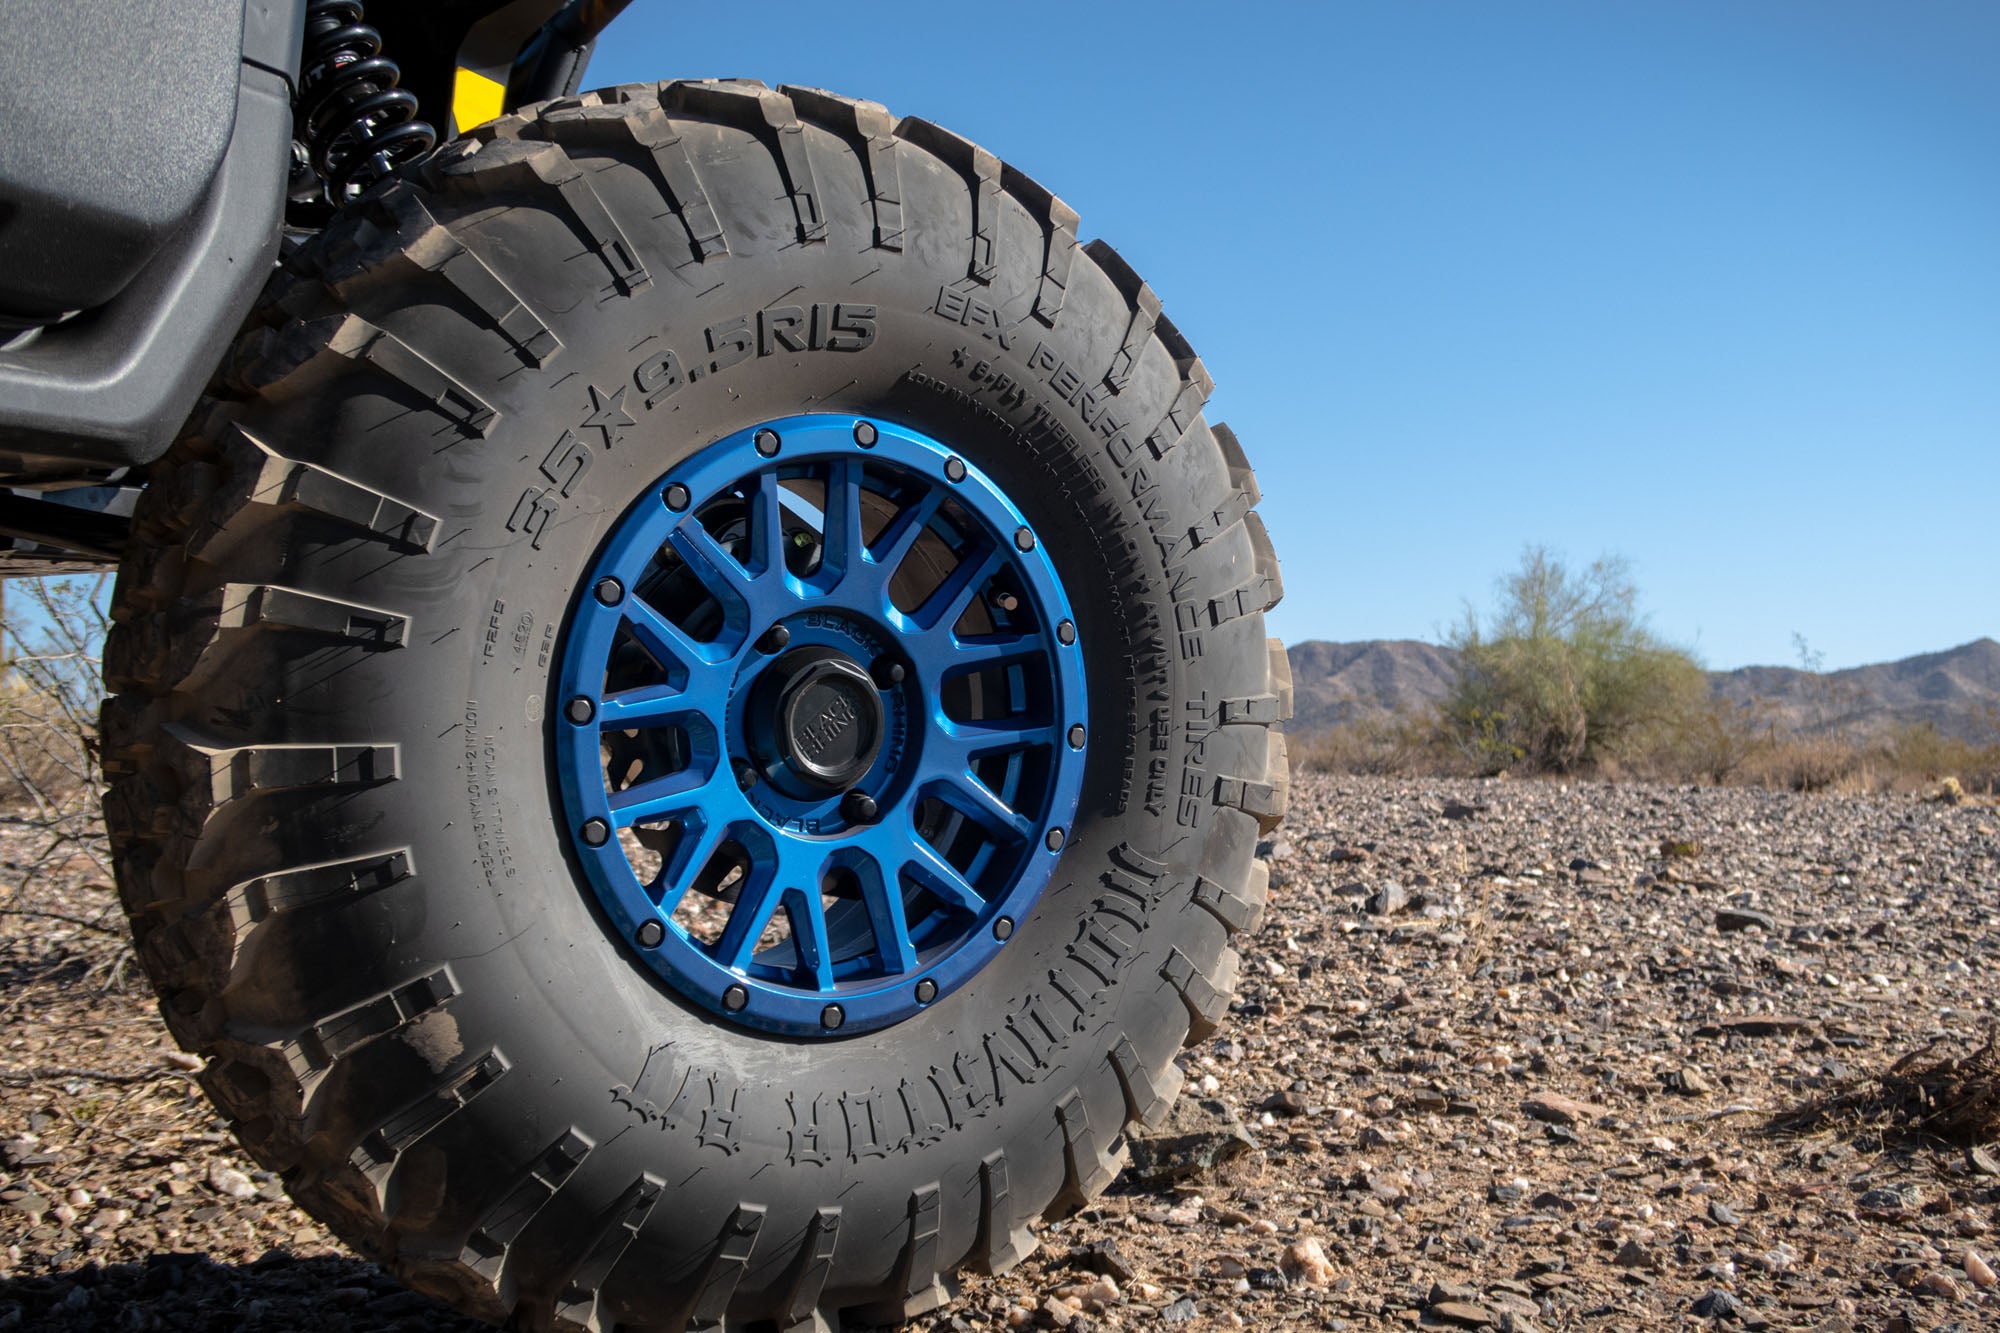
(818, 721)
(822, 724)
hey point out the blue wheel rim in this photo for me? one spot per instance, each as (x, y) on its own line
(758, 618)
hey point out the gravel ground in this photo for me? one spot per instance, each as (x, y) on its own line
(1503, 1057)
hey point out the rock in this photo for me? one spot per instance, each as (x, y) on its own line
(1053, 1313)
(1557, 1109)
(1460, 810)
(1388, 900)
(1982, 1161)
(1198, 1136)
(1464, 1314)
(1938, 1285)
(1898, 1202)
(1633, 1255)
(1286, 1103)
(1765, 1025)
(1722, 1214)
(229, 1182)
(34, 1205)
(1688, 1081)
(1104, 1257)
(1729, 920)
(1715, 1304)
(1679, 849)
(1452, 1291)
(1305, 1261)
(1181, 1311)
(24, 1152)
(1341, 856)
(1979, 1271)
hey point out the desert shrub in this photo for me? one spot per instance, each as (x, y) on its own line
(1378, 747)
(1564, 673)
(1814, 763)
(52, 639)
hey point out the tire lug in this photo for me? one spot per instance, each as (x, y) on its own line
(858, 807)
(677, 497)
(926, 991)
(735, 998)
(1003, 928)
(954, 469)
(649, 934)
(610, 591)
(864, 434)
(580, 710)
(1066, 633)
(886, 672)
(1024, 539)
(595, 832)
(1076, 735)
(746, 774)
(774, 639)
(1054, 842)
(832, 1017)
(766, 442)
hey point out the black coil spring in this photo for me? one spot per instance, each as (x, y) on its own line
(358, 126)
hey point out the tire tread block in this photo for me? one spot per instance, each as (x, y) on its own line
(769, 114)
(259, 475)
(875, 128)
(1149, 1096)
(1088, 1168)
(577, 1297)
(1004, 1239)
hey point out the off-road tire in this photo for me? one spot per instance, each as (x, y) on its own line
(331, 804)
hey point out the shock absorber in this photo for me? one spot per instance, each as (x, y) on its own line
(357, 125)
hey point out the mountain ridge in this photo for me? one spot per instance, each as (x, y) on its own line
(1957, 690)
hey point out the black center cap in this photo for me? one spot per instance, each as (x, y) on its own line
(829, 717)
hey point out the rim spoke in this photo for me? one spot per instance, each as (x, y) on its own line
(767, 526)
(976, 801)
(942, 877)
(662, 796)
(809, 936)
(895, 541)
(963, 742)
(711, 562)
(657, 705)
(841, 518)
(663, 638)
(700, 838)
(755, 905)
(883, 896)
(981, 650)
(948, 602)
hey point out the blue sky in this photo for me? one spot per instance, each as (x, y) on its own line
(1714, 286)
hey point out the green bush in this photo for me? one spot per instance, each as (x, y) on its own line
(1563, 674)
